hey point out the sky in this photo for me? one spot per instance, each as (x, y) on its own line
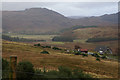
(60, 0)
(67, 8)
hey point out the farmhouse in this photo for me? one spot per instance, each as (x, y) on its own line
(103, 50)
(84, 50)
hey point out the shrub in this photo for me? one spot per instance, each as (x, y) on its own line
(45, 52)
(37, 44)
(77, 73)
(5, 68)
(97, 59)
(77, 53)
(84, 55)
(46, 46)
(52, 74)
(56, 48)
(43, 46)
(25, 70)
(64, 72)
(104, 57)
(96, 55)
(38, 74)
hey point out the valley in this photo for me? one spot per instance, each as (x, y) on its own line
(48, 39)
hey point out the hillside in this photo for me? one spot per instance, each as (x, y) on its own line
(104, 20)
(92, 32)
(98, 69)
(42, 20)
(34, 20)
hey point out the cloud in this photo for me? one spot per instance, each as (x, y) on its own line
(68, 8)
(60, 0)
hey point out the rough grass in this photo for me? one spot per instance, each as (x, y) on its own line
(101, 69)
(86, 33)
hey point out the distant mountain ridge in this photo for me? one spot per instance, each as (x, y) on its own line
(76, 17)
(41, 20)
(104, 20)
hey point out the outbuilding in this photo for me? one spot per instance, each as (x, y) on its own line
(103, 50)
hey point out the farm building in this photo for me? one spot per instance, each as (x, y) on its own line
(77, 47)
(84, 50)
(103, 50)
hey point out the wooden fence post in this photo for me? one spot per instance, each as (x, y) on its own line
(13, 63)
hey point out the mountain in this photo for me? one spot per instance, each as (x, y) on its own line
(34, 20)
(42, 20)
(104, 20)
(76, 17)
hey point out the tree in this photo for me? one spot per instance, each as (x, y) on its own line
(77, 47)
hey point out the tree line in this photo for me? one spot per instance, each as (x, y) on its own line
(101, 39)
(77, 27)
(17, 39)
(63, 39)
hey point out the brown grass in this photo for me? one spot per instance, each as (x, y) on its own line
(102, 69)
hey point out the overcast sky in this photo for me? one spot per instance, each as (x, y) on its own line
(67, 8)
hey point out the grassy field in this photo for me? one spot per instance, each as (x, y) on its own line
(36, 37)
(102, 69)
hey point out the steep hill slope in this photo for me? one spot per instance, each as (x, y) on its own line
(34, 20)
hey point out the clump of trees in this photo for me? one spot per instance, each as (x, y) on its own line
(45, 52)
(56, 48)
(17, 39)
(97, 59)
(46, 46)
(77, 53)
(63, 39)
(37, 44)
(101, 39)
(81, 53)
(84, 55)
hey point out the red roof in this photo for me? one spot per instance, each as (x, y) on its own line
(83, 50)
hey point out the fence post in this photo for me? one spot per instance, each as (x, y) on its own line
(13, 63)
